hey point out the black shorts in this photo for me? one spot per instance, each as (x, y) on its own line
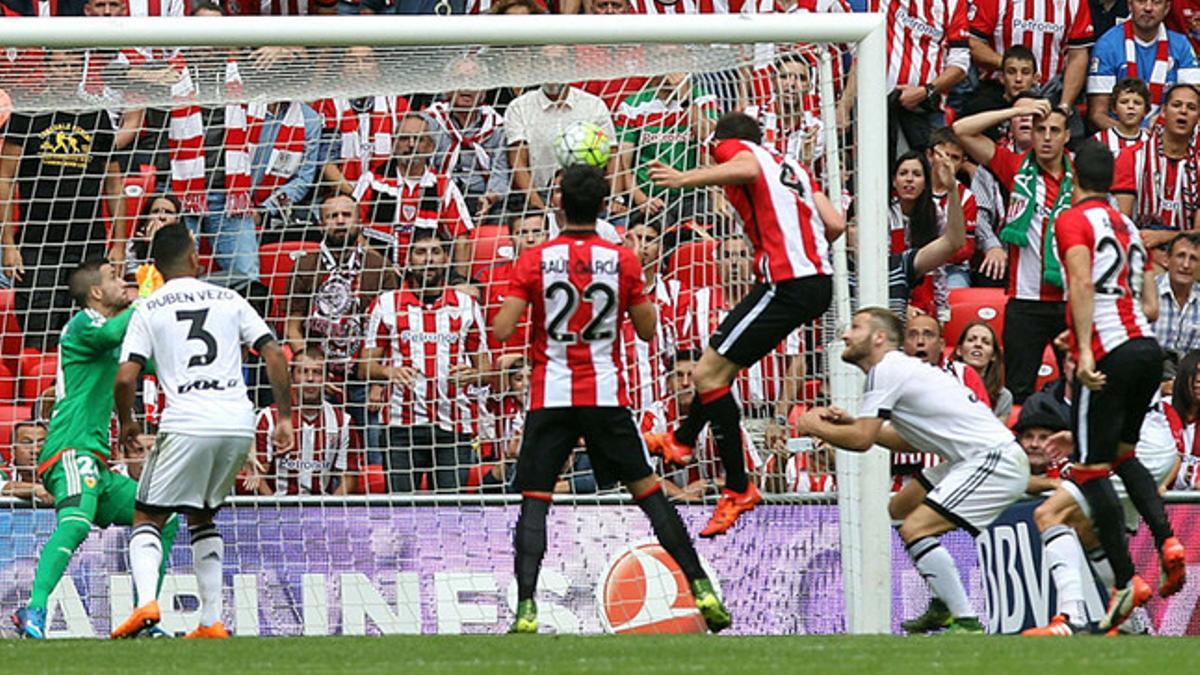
(614, 445)
(767, 315)
(1102, 420)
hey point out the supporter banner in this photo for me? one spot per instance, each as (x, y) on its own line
(358, 570)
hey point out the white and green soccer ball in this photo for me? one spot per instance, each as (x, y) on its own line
(582, 143)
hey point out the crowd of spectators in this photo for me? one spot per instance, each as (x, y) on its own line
(378, 232)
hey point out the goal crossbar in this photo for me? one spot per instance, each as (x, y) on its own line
(377, 31)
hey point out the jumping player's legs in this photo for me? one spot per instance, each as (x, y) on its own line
(755, 327)
(1106, 425)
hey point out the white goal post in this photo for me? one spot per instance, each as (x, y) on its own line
(862, 479)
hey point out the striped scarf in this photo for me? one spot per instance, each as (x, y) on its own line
(362, 152)
(489, 122)
(1162, 62)
(243, 128)
(1181, 199)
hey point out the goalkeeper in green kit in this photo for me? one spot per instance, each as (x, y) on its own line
(73, 464)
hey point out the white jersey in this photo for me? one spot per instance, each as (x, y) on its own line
(195, 331)
(931, 409)
(1156, 441)
(604, 229)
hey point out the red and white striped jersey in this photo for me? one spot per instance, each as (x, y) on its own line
(1115, 141)
(393, 206)
(646, 362)
(698, 312)
(1119, 261)
(430, 338)
(924, 37)
(702, 6)
(1025, 280)
(970, 209)
(1164, 187)
(322, 452)
(1048, 27)
(580, 288)
(778, 214)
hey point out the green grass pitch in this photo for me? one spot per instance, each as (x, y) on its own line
(515, 655)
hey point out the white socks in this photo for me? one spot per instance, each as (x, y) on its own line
(1102, 567)
(208, 555)
(145, 559)
(939, 571)
(1064, 557)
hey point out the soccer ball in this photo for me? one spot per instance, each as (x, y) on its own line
(582, 143)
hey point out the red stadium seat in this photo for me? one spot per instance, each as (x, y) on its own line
(1048, 371)
(491, 245)
(38, 372)
(276, 262)
(694, 264)
(970, 304)
(375, 479)
(8, 384)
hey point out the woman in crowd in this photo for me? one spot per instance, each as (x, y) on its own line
(159, 211)
(978, 347)
(914, 220)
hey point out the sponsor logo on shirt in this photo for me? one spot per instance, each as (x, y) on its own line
(1036, 26)
(918, 26)
(295, 464)
(422, 336)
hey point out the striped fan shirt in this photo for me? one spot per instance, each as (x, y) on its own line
(322, 452)
(1048, 27)
(924, 37)
(430, 338)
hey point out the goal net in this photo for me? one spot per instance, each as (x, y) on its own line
(367, 184)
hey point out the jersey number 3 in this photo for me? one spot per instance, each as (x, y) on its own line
(196, 332)
(603, 301)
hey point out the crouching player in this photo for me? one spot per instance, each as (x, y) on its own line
(984, 471)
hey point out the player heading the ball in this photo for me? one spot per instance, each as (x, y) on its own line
(580, 289)
(790, 224)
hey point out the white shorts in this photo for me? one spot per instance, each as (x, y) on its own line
(1158, 465)
(974, 492)
(191, 473)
